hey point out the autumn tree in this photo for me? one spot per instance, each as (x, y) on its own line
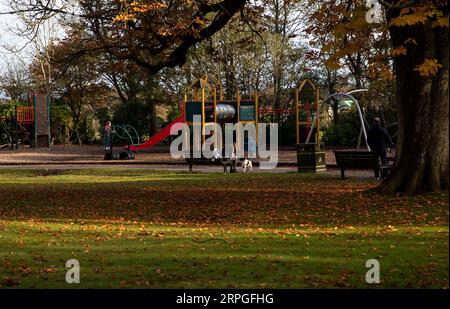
(419, 33)
(134, 89)
(283, 19)
(236, 55)
(15, 81)
(153, 34)
(76, 81)
(150, 34)
(414, 35)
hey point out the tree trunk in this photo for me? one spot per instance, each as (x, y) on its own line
(422, 102)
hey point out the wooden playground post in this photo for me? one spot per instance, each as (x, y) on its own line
(203, 115)
(317, 117)
(183, 106)
(256, 116)
(215, 104)
(195, 94)
(310, 156)
(238, 107)
(297, 120)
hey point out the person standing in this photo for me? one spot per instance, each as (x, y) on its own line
(378, 138)
(107, 140)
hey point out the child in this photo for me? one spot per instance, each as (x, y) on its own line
(107, 136)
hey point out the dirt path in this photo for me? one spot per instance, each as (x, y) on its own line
(332, 172)
(93, 154)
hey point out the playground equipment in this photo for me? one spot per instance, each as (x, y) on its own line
(360, 114)
(204, 98)
(310, 152)
(364, 123)
(124, 134)
(119, 135)
(30, 122)
(157, 138)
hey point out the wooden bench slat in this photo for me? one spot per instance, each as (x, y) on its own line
(355, 159)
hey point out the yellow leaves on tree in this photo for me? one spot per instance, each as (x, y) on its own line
(379, 70)
(441, 22)
(419, 14)
(129, 10)
(332, 64)
(401, 50)
(124, 17)
(138, 7)
(199, 22)
(428, 67)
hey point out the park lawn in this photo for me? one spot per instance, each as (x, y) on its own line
(140, 228)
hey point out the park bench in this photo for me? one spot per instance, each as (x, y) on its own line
(360, 160)
(205, 161)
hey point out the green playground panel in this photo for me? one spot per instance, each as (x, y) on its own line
(247, 111)
(193, 108)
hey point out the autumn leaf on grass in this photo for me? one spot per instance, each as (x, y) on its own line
(428, 67)
(24, 269)
(6, 263)
(48, 270)
(10, 282)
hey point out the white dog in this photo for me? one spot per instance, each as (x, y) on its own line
(247, 165)
(215, 155)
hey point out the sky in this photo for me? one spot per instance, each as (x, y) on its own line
(7, 38)
(9, 23)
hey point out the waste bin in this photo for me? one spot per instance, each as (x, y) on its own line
(311, 158)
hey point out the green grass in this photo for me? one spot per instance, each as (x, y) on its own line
(137, 228)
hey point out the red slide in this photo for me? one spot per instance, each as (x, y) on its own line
(158, 137)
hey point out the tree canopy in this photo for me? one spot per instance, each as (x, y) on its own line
(134, 56)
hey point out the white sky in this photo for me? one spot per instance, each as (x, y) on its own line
(8, 25)
(7, 38)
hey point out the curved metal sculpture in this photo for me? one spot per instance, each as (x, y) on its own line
(361, 118)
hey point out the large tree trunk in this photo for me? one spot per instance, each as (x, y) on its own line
(422, 102)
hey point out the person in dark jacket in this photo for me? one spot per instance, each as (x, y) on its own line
(378, 138)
